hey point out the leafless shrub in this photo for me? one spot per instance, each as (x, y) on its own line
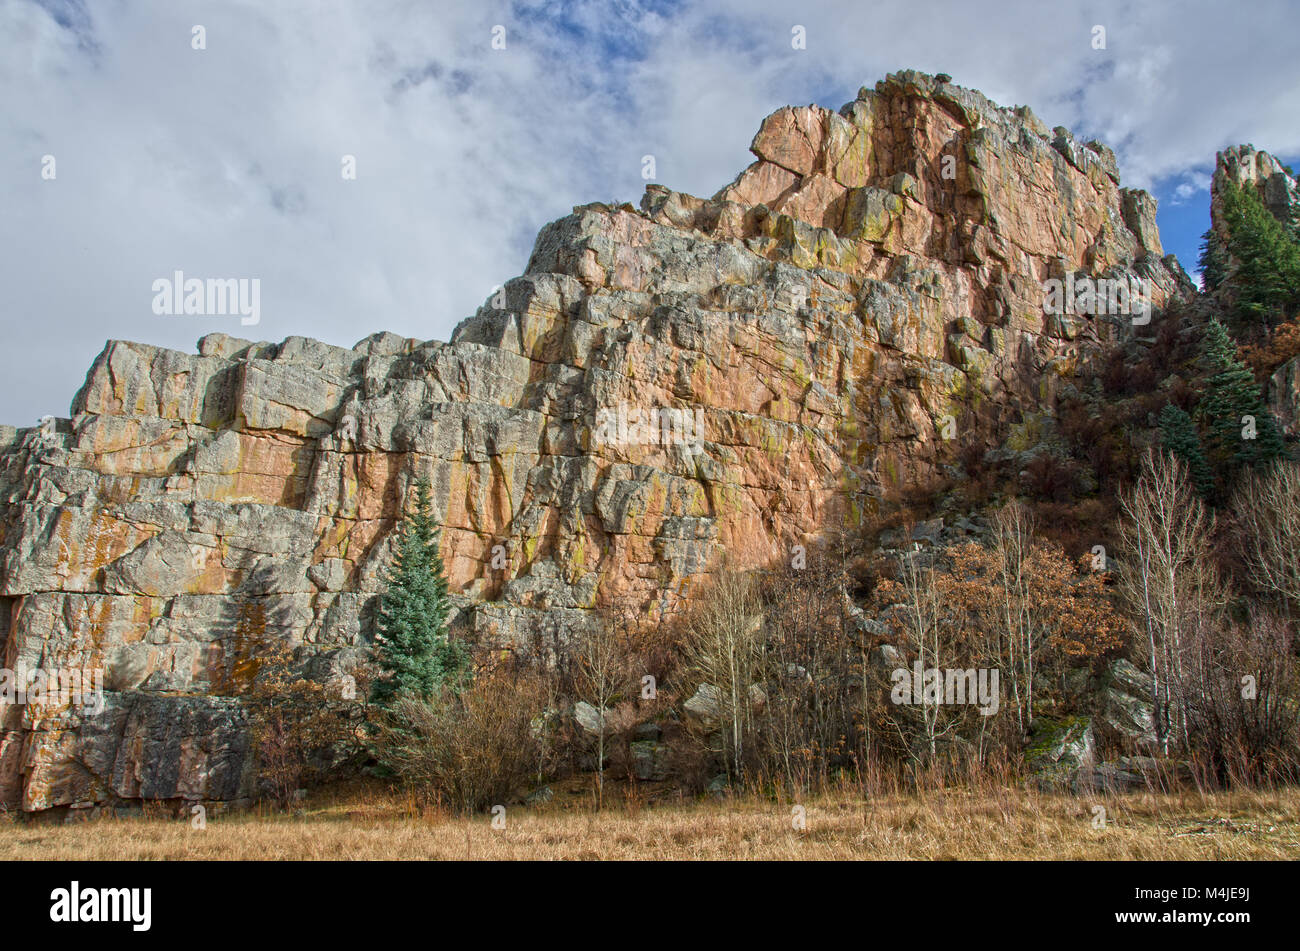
(1266, 510)
(1242, 702)
(301, 728)
(817, 686)
(474, 749)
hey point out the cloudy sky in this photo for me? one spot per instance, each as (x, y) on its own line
(226, 161)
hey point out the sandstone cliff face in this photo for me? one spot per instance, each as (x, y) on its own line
(876, 270)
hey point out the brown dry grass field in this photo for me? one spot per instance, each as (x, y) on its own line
(1009, 823)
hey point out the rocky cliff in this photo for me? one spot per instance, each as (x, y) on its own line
(664, 388)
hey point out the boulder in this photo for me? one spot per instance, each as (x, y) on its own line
(704, 707)
(1125, 705)
(591, 720)
(649, 760)
(1060, 749)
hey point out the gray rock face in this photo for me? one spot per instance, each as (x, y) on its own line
(649, 760)
(1062, 748)
(820, 317)
(141, 746)
(1065, 753)
(1126, 707)
(704, 707)
(1283, 394)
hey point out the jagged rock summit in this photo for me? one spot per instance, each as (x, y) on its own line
(809, 329)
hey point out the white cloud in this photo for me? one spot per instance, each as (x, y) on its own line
(1192, 185)
(225, 162)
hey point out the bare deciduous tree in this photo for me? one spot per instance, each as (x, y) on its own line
(603, 677)
(924, 624)
(1241, 702)
(724, 647)
(1169, 579)
(300, 728)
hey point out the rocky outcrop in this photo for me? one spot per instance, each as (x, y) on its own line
(1060, 750)
(1283, 395)
(663, 385)
(1247, 166)
(1063, 752)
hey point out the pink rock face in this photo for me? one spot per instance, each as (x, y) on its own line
(793, 138)
(761, 184)
(664, 388)
(819, 201)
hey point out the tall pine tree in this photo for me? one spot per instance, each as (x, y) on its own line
(1239, 430)
(1179, 436)
(1213, 261)
(415, 654)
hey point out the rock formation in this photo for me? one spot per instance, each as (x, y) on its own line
(1246, 165)
(876, 273)
(1278, 190)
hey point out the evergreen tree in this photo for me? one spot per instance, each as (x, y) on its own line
(414, 653)
(1260, 258)
(1239, 430)
(1213, 261)
(1179, 436)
